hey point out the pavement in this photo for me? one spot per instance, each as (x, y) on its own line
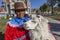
(55, 27)
(51, 20)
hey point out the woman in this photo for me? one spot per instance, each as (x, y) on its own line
(14, 29)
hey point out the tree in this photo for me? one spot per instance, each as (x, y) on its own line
(43, 7)
(51, 3)
(58, 3)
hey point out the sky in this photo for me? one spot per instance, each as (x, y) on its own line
(0, 2)
(37, 3)
(34, 3)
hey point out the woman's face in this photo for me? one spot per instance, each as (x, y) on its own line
(20, 13)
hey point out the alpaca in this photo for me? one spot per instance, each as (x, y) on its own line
(38, 28)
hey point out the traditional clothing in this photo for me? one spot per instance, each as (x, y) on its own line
(15, 30)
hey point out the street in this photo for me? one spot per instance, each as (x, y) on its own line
(55, 27)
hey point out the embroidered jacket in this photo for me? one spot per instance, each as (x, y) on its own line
(15, 30)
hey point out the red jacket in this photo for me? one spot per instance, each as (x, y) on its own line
(16, 33)
(13, 32)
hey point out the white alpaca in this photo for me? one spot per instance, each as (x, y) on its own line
(38, 28)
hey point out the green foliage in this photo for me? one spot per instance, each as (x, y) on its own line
(57, 9)
(51, 2)
(44, 7)
(3, 24)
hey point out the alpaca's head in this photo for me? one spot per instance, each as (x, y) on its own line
(31, 24)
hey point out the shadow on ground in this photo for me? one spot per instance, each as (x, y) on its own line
(55, 27)
(56, 34)
(1, 36)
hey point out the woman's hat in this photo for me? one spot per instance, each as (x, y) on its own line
(19, 5)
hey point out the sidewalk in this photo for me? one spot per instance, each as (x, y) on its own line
(53, 20)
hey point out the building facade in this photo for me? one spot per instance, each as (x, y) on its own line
(9, 5)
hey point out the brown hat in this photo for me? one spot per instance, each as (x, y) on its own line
(19, 5)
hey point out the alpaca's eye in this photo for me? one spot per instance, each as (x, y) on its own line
(34, 21)
(27, 27)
